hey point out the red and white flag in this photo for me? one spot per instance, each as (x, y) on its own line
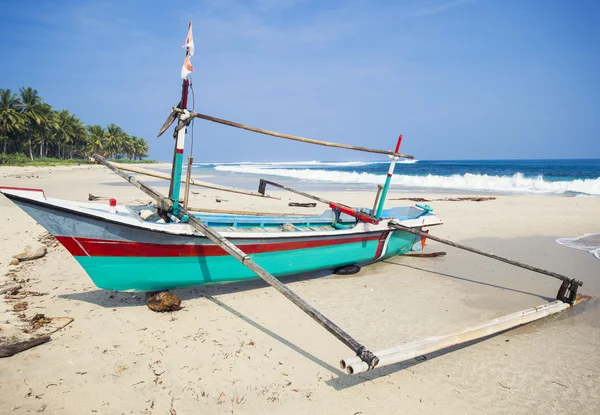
(187, 67)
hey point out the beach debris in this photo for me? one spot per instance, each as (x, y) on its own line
(14, 261)
(47, 239)
(162, 301)
(425, 255)
(92, 197)
(39, 320)
(10, 349)
(10, 289)
(51, 324)
(448, 199)
(31, 252)
(300, 204)
(22, 306)
(347, 270)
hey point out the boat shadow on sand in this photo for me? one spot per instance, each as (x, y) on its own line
(115, 299)
(488, 284)
(340, 381)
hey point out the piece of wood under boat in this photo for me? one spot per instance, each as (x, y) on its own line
(120, 250)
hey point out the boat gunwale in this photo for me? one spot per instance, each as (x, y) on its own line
(48, 204)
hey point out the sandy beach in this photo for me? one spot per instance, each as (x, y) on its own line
(244, 348)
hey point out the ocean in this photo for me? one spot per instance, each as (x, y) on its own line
(536, 177)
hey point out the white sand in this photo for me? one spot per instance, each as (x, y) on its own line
(243, 348)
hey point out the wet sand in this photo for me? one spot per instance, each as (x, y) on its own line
(243, 348)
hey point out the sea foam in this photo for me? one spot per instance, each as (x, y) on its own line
(588, 242)
(516, 183)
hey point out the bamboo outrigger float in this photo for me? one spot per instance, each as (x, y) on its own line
(169, 246)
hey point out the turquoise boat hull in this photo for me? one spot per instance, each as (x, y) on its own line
(120, 251)
(160, 273)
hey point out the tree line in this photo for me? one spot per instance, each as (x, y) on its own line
(30, 126)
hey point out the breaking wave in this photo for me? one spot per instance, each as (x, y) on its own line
(588, 242)
(516, 183)
(309, 163)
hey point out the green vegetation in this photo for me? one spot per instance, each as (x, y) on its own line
(19, 159)
(33, 133)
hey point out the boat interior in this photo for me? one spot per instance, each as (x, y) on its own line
(329, 220)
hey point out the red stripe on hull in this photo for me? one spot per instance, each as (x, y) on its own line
(100, 247)
(179, 151)
(382, 239)
(71, 245)
(28, 189)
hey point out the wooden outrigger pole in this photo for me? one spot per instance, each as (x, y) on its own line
(365, 359)
(361, 351)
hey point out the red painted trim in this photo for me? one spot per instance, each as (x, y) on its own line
(99, 247)
(179, 150)
(398, 145)
(71, 245)
(389, 174)
(382, 239)
(26, 189)
(351, 212)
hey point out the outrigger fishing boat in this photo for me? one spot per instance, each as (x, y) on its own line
(167, 246)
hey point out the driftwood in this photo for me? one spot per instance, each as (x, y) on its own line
(31, 253)
(425, 255)
(9, 288)
(9, 349)
(448, 199)
(299, 204)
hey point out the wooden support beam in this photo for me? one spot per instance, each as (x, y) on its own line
(395, 225)
(289, 136)
(360, 350)
(248, 212)
(412, 350)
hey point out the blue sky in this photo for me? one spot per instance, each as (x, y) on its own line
(461, 79)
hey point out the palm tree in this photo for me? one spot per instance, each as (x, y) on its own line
(97, 136)
(114, 139)
(78, 134)
(31, 110)
(47, 126)
(140, 147)
(63, 130)
(11, 119)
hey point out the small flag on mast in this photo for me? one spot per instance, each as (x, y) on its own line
(187, 67)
